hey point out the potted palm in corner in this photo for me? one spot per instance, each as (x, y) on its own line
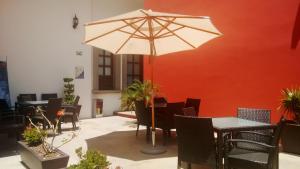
(290, 105)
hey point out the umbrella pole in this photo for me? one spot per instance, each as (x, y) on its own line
(154, 149)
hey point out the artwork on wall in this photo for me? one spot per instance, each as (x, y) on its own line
(296, 32)
(79, 72)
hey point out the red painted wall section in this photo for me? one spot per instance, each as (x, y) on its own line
(246, 67)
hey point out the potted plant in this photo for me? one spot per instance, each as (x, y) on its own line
(290, 105)
(69, 91)
(137, 91)
(36, 152)
(91, 160)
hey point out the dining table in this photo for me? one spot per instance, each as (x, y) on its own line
(224, 125)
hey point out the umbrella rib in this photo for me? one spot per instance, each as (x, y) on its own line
(136, 29)
(175, 34)
(130, 37)
(136, 36)
(191, 27)
(117, 29)
(166, 34)
(168, 23)
(109, 21)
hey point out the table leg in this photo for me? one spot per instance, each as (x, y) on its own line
(220, 150)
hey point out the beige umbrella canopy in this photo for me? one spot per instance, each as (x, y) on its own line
(151, 33)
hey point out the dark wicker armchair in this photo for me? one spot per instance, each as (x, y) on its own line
(12, 124)
(190, 102)
(47, 96)
(143, 117)
(259, 115)
(196, 143)
(265, 158)
(72, 112)
(54, 105)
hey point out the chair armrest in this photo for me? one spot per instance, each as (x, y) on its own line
(255, 133)
(269, 147)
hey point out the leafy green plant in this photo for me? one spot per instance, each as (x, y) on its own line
(137, 91)
(33, 136)
(69, 91)
(90, 160)
(290, 103)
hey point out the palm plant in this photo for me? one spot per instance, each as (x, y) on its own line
(137, 91)
(290, 104)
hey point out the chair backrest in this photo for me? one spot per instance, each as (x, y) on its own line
(160, 100)
(143, 116)
(175, 108)
(26, 97)
(54, 105)
(76, 100)
(189, 111)
(47, 96)
(260, 115)
(254, 114)
(195, 139)
(190, 102)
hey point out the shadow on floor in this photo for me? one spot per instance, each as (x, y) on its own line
(124, 144)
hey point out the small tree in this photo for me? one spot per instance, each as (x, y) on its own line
(36, 135)
(69, 91)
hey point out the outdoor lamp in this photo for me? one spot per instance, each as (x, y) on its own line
(75, 22)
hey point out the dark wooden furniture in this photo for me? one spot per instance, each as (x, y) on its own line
(26, 97)
(54, 105)
(189, 111)
(266, 159)
(72, 112)
(143, 117)
(254, 114)
(47, 96)
(195, 139)
(164, 119)
(191, 102)
(234, 124)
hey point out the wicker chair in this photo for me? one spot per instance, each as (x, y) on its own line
(266, 158)
(165, 119)
(190, 102)
(28, 110)
(54, 105)
(195, 138)
(10, 123)
(143, 117)
(26, 97)
(72, 112)
(189, 111)
(259, 115)
(47, 96)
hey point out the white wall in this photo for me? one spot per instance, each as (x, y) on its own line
(40, 43)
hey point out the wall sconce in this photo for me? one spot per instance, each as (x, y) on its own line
(75, 22)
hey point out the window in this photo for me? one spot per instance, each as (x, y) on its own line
(105, 70)
(134, 68)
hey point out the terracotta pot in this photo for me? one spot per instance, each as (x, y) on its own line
(33, 161)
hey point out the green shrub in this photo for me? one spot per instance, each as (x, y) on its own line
(90, 160)
(33, 137)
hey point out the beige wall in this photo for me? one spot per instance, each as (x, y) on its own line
(38, 39)
(40, 43)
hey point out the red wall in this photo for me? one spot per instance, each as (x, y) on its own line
(246, 67)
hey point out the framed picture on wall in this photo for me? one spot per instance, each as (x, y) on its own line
(79, 72)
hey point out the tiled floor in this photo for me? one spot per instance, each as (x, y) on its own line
(115, 136)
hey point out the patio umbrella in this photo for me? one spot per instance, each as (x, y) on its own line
(150, 33)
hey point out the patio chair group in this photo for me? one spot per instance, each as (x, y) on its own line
(14, 120)
(197, 143)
